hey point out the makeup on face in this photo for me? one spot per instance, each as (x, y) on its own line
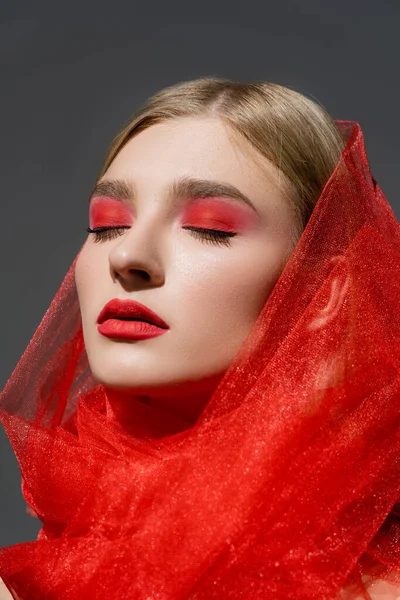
(218, 213)
(207, 213)
(109, 212)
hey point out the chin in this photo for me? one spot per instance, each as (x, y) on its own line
(137, 378)
(121, 378)
(150, 370)
(152, 380)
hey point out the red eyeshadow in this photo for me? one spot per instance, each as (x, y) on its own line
(106, 212)
(215, 213)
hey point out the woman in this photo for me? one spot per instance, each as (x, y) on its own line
(208, 408)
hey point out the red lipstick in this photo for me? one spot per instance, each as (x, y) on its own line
(128, 319)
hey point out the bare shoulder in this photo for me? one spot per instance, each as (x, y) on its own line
(4, 593)
(383, 590)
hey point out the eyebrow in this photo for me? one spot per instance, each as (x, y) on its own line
(184, 187)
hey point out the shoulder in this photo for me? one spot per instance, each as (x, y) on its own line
(383, 590)
(4, 593)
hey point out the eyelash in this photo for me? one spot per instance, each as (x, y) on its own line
(212, 236)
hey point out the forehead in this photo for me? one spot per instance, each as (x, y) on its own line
(203, 147)
(197, 143)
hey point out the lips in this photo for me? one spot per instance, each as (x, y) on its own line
(130, 310)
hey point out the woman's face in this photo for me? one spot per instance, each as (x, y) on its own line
(163, 186)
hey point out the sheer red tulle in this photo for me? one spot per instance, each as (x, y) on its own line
(286, 486)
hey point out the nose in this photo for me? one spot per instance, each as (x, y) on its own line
(138, 258)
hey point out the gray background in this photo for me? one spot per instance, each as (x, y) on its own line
(72, 73)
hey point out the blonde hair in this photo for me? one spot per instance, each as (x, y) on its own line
(294, 133)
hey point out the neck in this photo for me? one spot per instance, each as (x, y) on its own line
(162, 410)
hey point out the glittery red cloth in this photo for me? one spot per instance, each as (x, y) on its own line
(286, 486)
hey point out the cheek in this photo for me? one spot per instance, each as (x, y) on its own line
(88, 277)
(81, 282)
(231, 293)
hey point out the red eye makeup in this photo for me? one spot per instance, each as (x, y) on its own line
(217, 213)
(211, 213)
(107, 212)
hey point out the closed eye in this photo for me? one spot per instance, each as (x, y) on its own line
(212, 236)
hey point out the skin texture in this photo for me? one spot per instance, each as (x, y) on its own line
(209, 294)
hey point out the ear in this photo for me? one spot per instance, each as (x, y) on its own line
(331, 369)
(339, 285)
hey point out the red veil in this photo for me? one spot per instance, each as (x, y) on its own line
(286, 486)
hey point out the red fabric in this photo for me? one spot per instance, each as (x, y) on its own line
(286, 486)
